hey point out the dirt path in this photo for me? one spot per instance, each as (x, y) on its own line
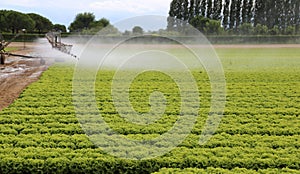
(18, 73)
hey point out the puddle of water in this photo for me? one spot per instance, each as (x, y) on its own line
(36, 74)
(4, 75)
(15, 67)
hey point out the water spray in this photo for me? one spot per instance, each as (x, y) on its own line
(54, 39)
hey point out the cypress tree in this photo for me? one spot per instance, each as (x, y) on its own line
(244, 11)
(197, 9)
(179, 14)
(289, 7)
(172, 15)
(232, 17)
(280, 18)
(250, 11)
(185, 10)
(192, 9)
(217, 9)
(297, 17)
(285, 16)
(209, 9)
(282, 14)
(226, 14)
(259, 12)
(275, 13)
(237, 13)
(203, 8)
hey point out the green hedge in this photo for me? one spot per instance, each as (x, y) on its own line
(27, 37)
(21, 38)
(223, 171)
(282, 39)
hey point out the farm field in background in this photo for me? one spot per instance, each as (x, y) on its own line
(260, 130)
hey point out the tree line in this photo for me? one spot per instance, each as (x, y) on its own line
(14, 22)
(87, 23)
(84, 23)
(236, 16)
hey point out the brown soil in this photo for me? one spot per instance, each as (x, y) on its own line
(18, 73)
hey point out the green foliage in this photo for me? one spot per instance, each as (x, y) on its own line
(42, 24)
(223, 171)
(232, 14)
(213, 27)
(100, 24)
(39, 132)
(16, 21)
(199, 23)
(108, 31)
(82, 21)
(206, 25)
(87, 24)
(126, 33)
(137, 30)
(59, 27)
(275, 30)
(260, 29)
(3, 20)
(290, 30)
(246, 29)
(27, 37)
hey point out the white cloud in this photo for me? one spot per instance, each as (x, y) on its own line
(45, 4)
(21, 3)
(64, 11)
(131, 6)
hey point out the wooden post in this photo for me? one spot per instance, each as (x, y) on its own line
(2, 59)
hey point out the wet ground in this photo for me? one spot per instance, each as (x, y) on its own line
(17, 73)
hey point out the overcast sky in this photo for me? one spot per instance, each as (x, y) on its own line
(64, 11)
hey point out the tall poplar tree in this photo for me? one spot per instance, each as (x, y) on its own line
(217, 10)
(274, 14)
(209, 9)
(226, 14)
(297, 16)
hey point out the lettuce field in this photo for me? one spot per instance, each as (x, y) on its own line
(259, 133)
